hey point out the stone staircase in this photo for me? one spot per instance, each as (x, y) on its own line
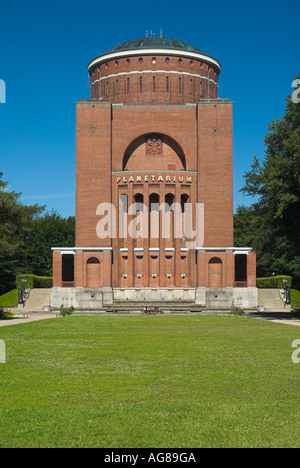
(271, 300)
(38, 301)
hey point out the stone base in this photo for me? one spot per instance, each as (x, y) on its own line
(94, 299)
(79, 298)
(224, 298)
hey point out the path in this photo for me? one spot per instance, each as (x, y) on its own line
(31, 318)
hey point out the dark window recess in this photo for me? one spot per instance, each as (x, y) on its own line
(241, 268)
(180, 85)
(67, 268)
(128, 85)
(167, 84)
(141, 84)
(154, 84)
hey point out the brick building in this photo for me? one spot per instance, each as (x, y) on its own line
(154, 186)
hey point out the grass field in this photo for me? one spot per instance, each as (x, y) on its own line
(165, 381)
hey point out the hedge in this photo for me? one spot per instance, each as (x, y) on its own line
(10, 299)
(274, 282)
(33, 281)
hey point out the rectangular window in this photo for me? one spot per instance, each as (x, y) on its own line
(107, 88)
(167, 84)
(128, 85)
(141, 84)
(68, 268)
(117, 86)
(154, 84)
(180, 87)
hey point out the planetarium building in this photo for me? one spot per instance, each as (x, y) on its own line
(154, 188)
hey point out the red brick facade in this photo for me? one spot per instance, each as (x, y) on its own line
(154, 130)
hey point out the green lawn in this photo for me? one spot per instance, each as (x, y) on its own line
(164, 381)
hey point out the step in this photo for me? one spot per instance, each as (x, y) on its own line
(38, 300)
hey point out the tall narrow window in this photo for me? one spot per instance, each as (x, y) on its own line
(68, 268)
(107, 88)
(141, 84)
(167, 84)
(117, 86)
(128, 85)
(154, 84)
(180, 87)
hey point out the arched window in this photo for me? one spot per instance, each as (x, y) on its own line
(140, 153)
(169, 200)
(184, 200)
(215, 273)
(93, 260)
(139, 201)
(154, 202)
(215, 260)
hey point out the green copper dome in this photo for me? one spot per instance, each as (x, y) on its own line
(154, 43)
(149, 45)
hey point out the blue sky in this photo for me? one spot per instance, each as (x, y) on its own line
(45, 49)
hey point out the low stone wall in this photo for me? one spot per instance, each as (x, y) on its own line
(209, 298)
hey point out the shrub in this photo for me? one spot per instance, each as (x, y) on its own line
(235, 310)
(33, 281)
(10, 299)
(295, 298)
(5, 314)
(66, 311)
(274, 282)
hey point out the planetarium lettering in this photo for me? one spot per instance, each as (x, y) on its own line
(154, 178)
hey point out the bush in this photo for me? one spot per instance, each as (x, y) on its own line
(66, 311)
(274, 282)
(5, 314)
(235, 310)
(295, 299)
(295, 313)
(33, 281)
(10, 299)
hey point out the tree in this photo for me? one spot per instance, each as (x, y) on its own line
(15, 223)
(273, 227)
(49, 230)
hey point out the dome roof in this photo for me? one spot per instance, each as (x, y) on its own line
(151, 45)
(154, 43)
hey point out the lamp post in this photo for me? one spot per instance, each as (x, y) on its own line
(21, 294)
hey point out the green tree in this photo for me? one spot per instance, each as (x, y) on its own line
(15, 224)
(273, 224)
(49, 230)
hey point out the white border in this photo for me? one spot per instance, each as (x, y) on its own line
(141, 52)
(114, 75)
(73, 249)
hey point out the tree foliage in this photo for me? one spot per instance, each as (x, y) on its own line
(272, 224)
(27, 234)
(15, 223)
(50, 230)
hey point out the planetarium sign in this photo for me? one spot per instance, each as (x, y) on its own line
(154, 178)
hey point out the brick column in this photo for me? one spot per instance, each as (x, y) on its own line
(57, 269)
